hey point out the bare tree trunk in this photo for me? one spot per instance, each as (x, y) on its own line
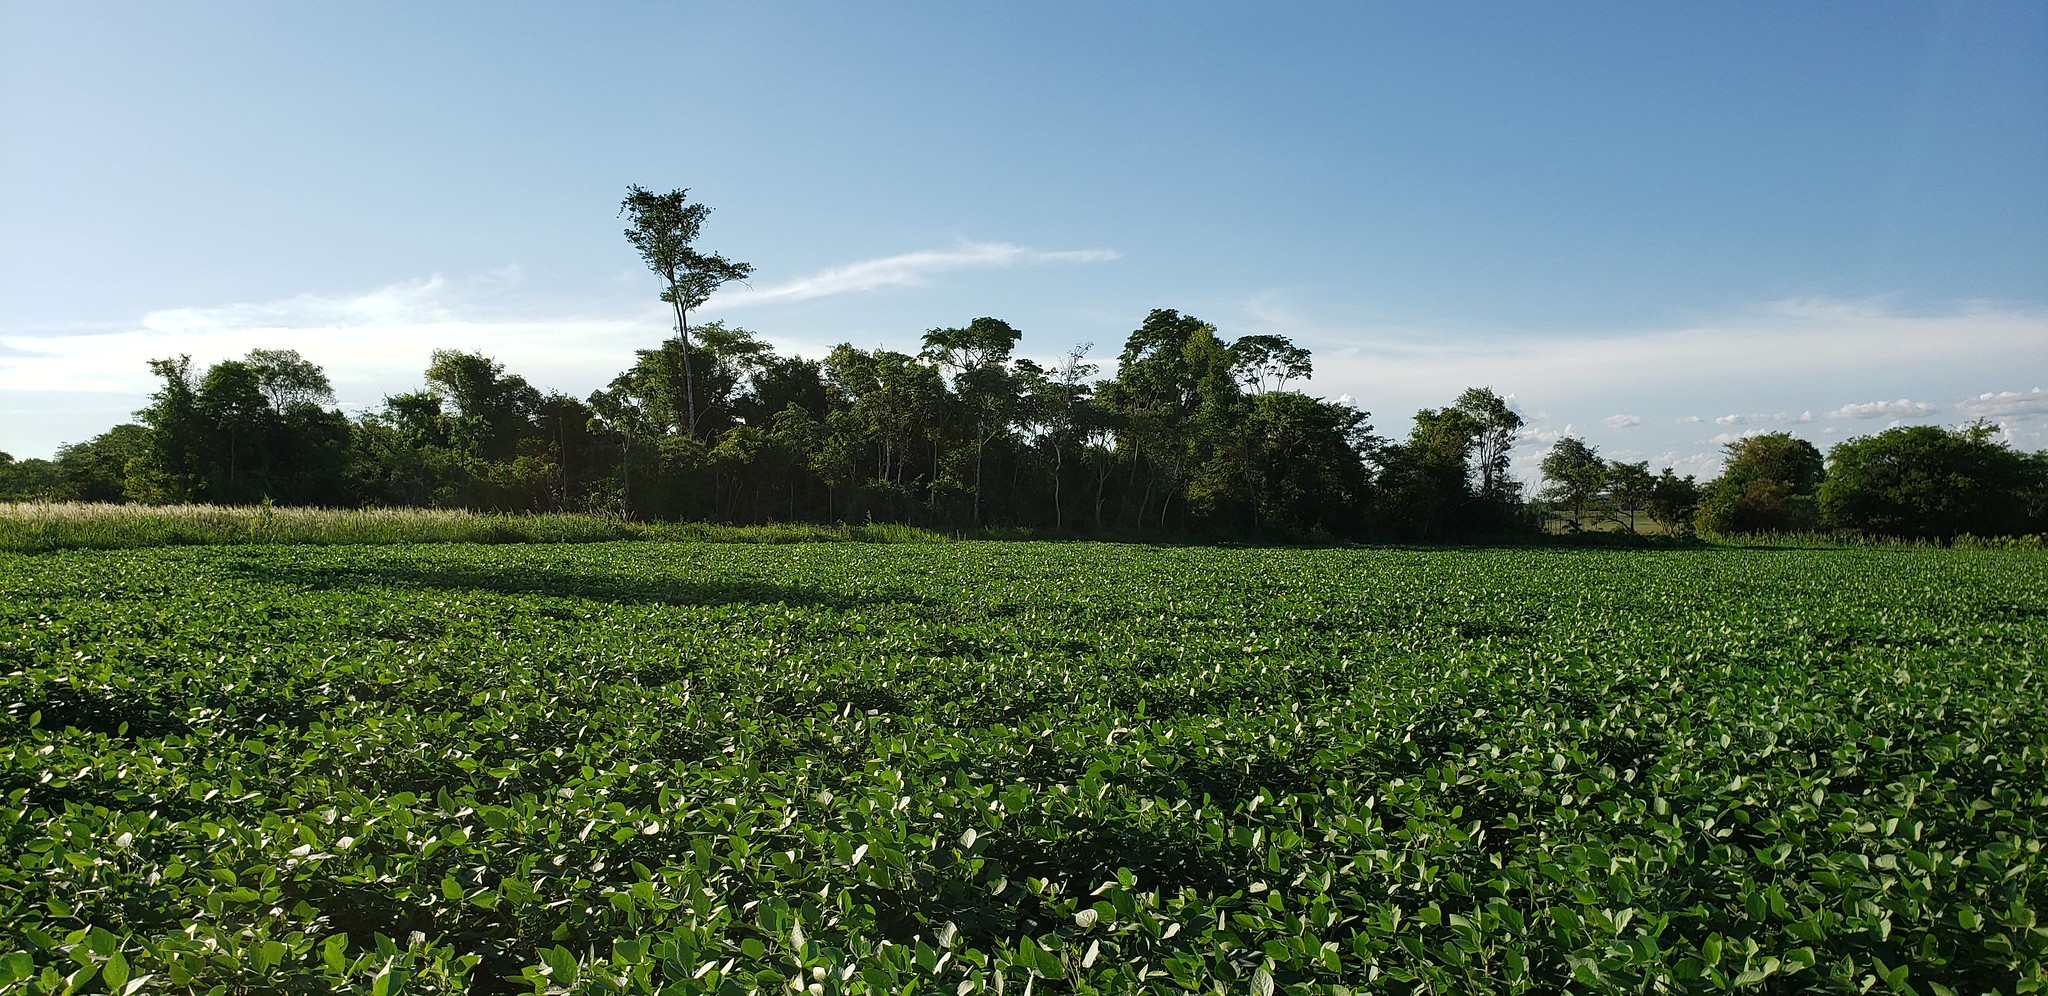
(626, 477)
(1101, 485)
(979, 446)
(683, 340)
(1058, 518)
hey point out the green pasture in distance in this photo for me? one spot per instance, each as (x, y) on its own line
(1022, 767)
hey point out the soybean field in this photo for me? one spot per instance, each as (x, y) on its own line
(1017, 768)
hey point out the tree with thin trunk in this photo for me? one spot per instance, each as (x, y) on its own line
(977, 357)
(1630, 486)
(1576, 474)
(664, 226)
(1496, 425)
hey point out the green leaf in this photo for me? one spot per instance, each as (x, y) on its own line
(334, 954)
(102, 942)
(562, 969)
(115, 972)
(1262, 982)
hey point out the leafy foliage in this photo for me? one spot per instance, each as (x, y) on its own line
(975, 767)
(1768, 485)
(1925, 482)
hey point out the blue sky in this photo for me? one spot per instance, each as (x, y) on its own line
(1656, 226)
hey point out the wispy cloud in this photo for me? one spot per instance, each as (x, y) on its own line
(1769, 418)
(1902, 408)
(2006, 404)
(911, 269)
(1804, 341)
(1622, 421)
(412, 302)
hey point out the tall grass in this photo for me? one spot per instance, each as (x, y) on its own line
(1849, 540)
(36, 527)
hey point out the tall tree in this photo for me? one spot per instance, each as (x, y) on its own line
(1173, 389)
(663, 228)
(619, 410)
(1425, 481)
(729, 356)
(1630, 486)
(1493, 438)
(1306, 462)
(174, 467)
(286, 378)
(1767, 485)
(977, 359)
(236, 415)
(1059, 406)
(1673, 499)
(493, 410)
(1267, 362)
(1576, 474)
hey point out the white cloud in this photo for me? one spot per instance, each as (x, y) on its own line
(1775, 418)
(2006, 404)
(1779, 355)
(910, 269)
(1622, 421)
(377, 341)
(1902, 408)
(370, 344)
(1724, 438)
(1805, 342)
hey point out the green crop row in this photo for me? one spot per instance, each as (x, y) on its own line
(1022, 768)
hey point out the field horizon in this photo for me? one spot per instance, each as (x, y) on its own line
(37, 527)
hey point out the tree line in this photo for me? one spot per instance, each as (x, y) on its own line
(1192, 433)
(1917, 482)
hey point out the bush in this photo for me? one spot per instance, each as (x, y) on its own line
(1925, 482)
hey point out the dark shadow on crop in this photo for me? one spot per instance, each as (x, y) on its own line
(120, 718)
(525, 579)
(1481, 629)
(1159, 858)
